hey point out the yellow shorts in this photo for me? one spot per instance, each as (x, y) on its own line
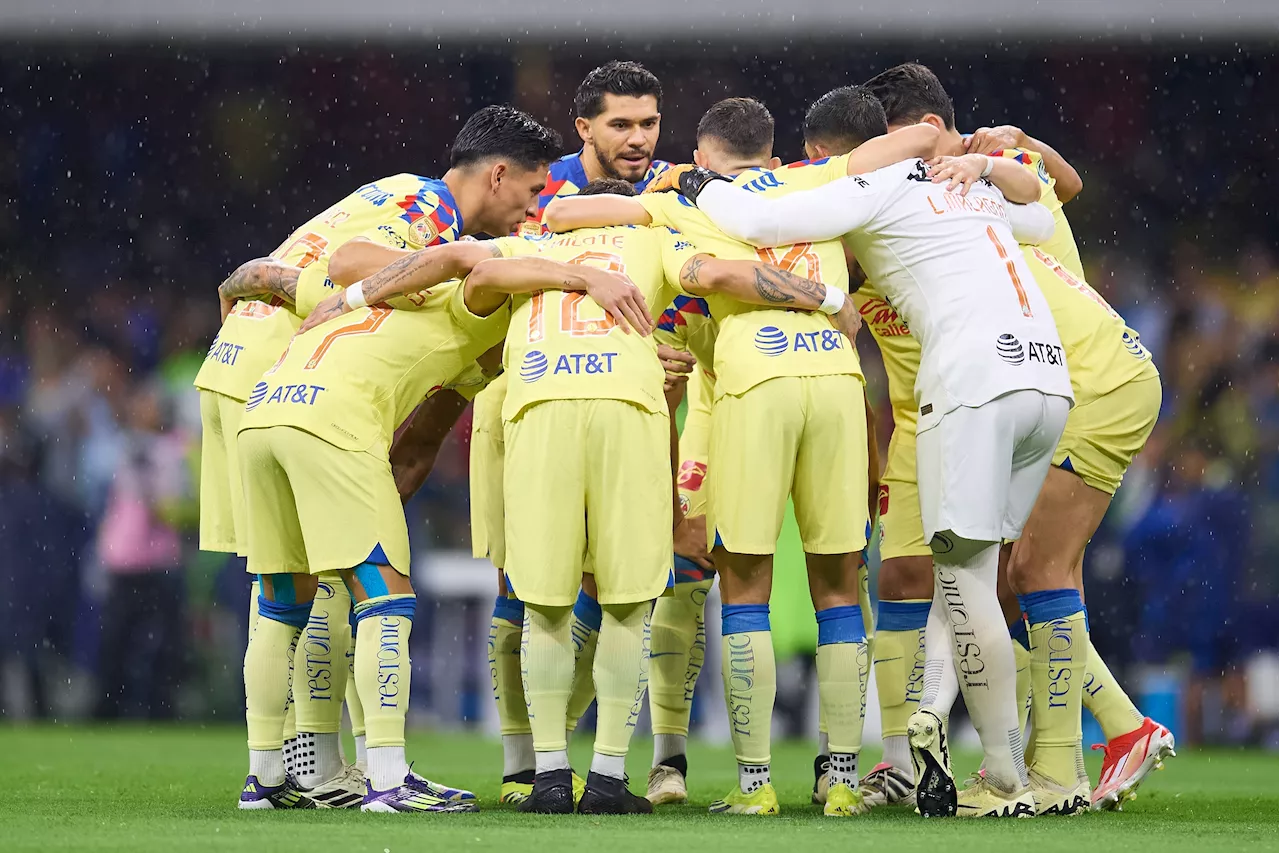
(1103, 435)
(588, 480)
(695, 442)
(488, 538)
(313, 507)
(901, 531)
(221, 497)
(800, 435)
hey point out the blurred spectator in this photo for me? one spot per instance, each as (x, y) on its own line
(150, 498)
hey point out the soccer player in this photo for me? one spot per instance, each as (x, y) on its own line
(992, 381)
(1111, 365)
(401, 210)
(496, 171)
(736, 135)
(619, 115)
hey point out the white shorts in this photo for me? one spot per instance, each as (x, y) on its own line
(980, 469)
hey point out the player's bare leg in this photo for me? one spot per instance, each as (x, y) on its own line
(905, 588)
(384, 603)
(1042, 572)
(750, 677)
(284, 605)
(843, 670)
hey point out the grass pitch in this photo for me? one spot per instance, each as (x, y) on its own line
(174, 790)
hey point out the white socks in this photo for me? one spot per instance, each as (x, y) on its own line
(668, 746)
(940, 685)
(752, 776)
(318, 758)
(844, 769)
(553, 760)
(609, 765)
(965, 585)
(517, 754)
(362, 754)
(267, 765)
(897, 751)
(387, 767)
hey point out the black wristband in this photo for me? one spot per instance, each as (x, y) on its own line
(693, 181)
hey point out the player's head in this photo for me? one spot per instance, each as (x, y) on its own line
(608, 186)
(911, 94)
(734, 135)
(619, 109)
(503, 153)
(841, 120)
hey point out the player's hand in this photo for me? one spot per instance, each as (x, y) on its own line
(957, 171)
(691, 541)
(333, 306)
(668, 181)
(988, 140)
(848, 320)
(677, 365)
(619, 296)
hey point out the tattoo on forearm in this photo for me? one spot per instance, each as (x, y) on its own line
(396, 278)
(258, 279)
(780, 287)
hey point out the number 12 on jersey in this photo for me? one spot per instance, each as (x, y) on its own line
(572, 322)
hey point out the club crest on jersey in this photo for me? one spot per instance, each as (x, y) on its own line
(423, 231)
(534, 366)
(1010, 349)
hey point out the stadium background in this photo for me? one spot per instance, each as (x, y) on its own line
(147, 150)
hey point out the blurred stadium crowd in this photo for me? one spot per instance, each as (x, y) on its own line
(137, 180)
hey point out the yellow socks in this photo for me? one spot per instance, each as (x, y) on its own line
(320, 683)
(383, 675)
(621, 676)
(843, 668)
(586, 634)
(678, 649)
(1106, 699)
(750, 687)
(546, 658)
(508, 691)
(355, 710)
(899, 662)
(1059, 648)
(266, 684)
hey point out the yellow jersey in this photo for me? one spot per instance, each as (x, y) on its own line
(405, 211)
(756, 343)
(1062, 245)
(354, 379)
(563, 346)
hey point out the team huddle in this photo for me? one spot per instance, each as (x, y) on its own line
(736, 285)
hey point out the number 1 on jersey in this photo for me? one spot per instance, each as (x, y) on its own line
(1013, 272)
(571, 321)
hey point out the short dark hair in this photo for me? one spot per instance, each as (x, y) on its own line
(743, 126)
(502, 131)
(910, 90)
(845, 118)
(626, 79)
(608, 186)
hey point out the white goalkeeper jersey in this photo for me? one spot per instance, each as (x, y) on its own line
(949, 264)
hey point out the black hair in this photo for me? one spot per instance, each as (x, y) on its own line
(626, 79)
(909, 91)
(845, 118)
(608, 186)
(502, 131)
(743, 126)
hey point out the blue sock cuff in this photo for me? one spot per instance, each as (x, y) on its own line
(743, 618)
(1018, 632)
(902, 615)
(405, 607)
(840, 625)
(1086, 620)
(510, 609)
(1050, 604)
(293, 615)
(588, 611)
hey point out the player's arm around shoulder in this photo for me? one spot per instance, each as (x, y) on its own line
(360, 258)
(259, 277)
(988, 140)
(908, 143)
(1017, 183)
(567, 213)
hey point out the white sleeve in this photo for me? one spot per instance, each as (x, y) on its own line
(810, 216)
(1031, 223)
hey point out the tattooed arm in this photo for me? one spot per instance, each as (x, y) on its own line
(259, 277)
(761, 284)
(420, 270)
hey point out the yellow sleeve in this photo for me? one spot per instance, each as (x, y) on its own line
(314, 287)
(490, 329)
(514, 247)
(676, 252)
(658, 206)
(469, 382)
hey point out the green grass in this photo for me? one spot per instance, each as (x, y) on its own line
(174, 789)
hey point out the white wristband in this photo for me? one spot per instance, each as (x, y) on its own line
(991, 164)
(355, 296)
(833, 301)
